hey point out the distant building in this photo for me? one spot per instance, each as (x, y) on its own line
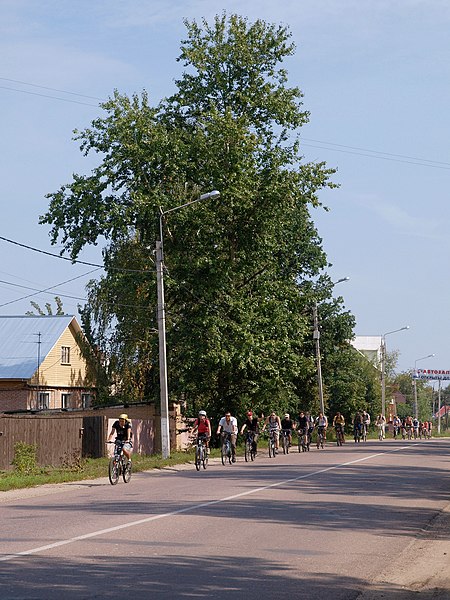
(41, 365)
(369, 346)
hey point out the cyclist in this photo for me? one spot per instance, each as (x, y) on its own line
(381, 424)
(322, 424)
(310, 422)
(274, 424)
(287, 425)
(252, 425)
(339, 424)
(415, 425)
(122, 430)
(302, 424)
(358, 423)
(229, 425)
(397, 424)
(202, 427)
(366, 421)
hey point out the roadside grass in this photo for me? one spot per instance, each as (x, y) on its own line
(88, 468)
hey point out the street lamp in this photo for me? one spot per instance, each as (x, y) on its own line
(416, 411)
(383, 367)
(161, 317)
(316, 338)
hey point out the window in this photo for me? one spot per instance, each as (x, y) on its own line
(85, 400)
(43, 400)
(65, 355)
(65, 400)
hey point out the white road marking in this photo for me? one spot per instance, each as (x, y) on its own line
(100, 532)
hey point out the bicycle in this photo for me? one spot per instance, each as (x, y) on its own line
(119, 464)
(339, 435)
(225, 449)
(364, 432)
(285, 433)
(320, 438)
(201, 453)
(303, 440)
(357, 434)
(381, 432)
(272, 444)
(249, 449)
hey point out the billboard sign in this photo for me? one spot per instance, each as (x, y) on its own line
(432, 374)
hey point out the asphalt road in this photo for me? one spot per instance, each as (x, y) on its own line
(362, 521)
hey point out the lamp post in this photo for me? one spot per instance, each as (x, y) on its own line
(161, 318)
(316, 338)
(383, 367)
(416, 410)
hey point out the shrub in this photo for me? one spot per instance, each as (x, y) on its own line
(25, 460)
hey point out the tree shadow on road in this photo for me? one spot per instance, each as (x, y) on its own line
(178, 576)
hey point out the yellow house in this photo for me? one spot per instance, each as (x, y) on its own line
(41, 365)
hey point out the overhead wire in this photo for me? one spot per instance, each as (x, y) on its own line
(376, 154)
(81, 262)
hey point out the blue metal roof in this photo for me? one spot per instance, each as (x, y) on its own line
(19, 342)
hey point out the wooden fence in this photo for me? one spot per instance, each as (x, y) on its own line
(59, 437)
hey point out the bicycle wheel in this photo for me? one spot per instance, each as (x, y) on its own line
(270, 448)
(223, 453)
(205, 458)
(126, 471)
(198, 457)
(113, 471)
(284, 444)
(247, 450)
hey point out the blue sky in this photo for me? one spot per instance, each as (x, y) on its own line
(376, 80)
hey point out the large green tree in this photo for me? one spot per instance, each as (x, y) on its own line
(238, 322)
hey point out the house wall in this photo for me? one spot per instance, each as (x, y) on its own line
(53, 373)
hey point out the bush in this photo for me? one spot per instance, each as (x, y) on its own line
(25, 460)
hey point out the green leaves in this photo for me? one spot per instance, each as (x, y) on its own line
(238, 322)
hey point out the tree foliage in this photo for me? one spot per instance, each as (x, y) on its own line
(242, 271)
(48, 307)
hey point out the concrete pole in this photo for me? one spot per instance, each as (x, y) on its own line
(161, 318)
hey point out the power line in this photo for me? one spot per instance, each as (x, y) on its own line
(43, 87)
(81, 262)
(423, 162)
(4, 87)
(46, 290)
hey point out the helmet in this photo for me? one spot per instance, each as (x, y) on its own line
(249, 414)
(286, 416)
(123, 416)
(202, 413)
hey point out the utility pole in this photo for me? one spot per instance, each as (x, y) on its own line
(316, 337)
(38, 368)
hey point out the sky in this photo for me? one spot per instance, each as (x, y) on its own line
(376, 80)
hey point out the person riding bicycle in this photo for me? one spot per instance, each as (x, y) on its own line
(274, 424)
(381, 424)
(358, 423)
(339, 424)
(396, 424)
(252, 426)
(287, 425)
(415, 424)
(303, 423)
(322, 424)
(202, 427)
(228, 425)
(366, 421)
(123, 432)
